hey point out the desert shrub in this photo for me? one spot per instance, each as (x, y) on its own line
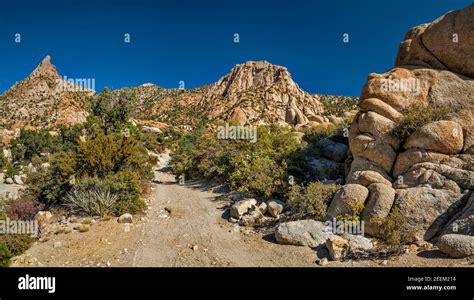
(418, 116)
(168, 138)
(96, 201)
(110, 111)
(5, 255)
(315, 134)
(11, 170)
(69, 136)
(3, 159)
(258, 167)
(49, 186)
(12, 245)
(36, 161)
(356, 209)
(390, 229)
(258, 174)
(126, 184)
(106, 154)
(25, 208)
(336, 105)
(31, 143)
(311, 201)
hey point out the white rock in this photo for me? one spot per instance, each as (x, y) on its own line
(17, 179)
(241, 207)
(303, 233)
(275, 208)
(263, 207)
(125, 218)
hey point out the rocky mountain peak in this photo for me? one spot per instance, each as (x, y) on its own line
(45, 70)
(261, 92)
(42, 100)
(256, 75)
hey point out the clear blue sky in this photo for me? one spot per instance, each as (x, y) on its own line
(192, 40)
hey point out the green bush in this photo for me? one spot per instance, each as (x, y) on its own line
(336, 105)
(106, 154)
(311, 201)
(5, 255)
(126, 184)
(110, 111)
(258, 168)
(69, 136)
(11, 170)
(50, 186)
(418, 116)
(31, 143)
(258, 174)
(3, 159)
(391, 231)
(12, 245)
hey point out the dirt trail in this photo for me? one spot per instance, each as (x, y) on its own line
(186, 228)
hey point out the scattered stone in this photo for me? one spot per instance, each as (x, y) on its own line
(106, 218)
(241, 207)
(17, 179)
(302, 233)
(195, 247)
(263, 207)
(57, 245)
(125, 218)
(87, 221)
(275, 208)
(337, 247)
(322, 262)
(358, 243)
(252, 218)
(82, 228)
(9, 181)
(44, 239)
(43, 217)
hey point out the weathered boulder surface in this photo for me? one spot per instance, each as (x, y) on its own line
(428, 210)
(446, 42)
(302, 233)
(457, 245)
(427, 175)
(378, 206)
(443, 137)
(347, 200)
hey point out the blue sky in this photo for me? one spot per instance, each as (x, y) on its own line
(193, 41)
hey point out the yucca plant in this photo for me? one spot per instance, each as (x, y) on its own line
(93, 202)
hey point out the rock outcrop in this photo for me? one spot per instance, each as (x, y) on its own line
(260, 92)
(42, 100)
(428, 175)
